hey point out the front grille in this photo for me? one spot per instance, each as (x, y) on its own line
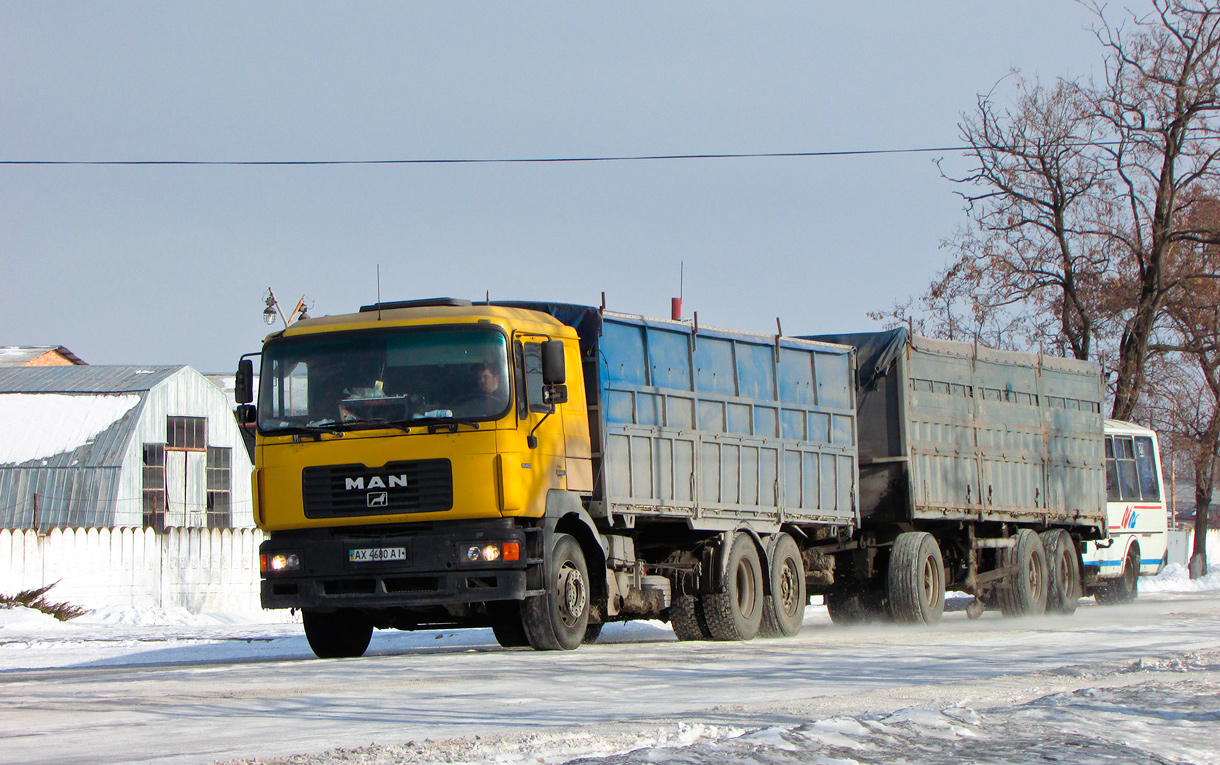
(415, 486)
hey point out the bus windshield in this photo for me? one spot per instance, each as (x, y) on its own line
(371, 378)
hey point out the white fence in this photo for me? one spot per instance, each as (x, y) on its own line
(201, 570)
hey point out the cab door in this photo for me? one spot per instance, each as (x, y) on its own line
(526, 473)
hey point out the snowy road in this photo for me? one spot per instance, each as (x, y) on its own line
(197, 694)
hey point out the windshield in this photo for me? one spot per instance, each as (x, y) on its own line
(349, 380)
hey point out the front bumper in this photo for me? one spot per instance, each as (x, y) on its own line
(433, 570)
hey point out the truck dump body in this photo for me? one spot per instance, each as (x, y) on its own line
(951, 431)
(715, 427)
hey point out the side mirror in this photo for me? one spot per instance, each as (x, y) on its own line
(246, 414)
(243, 385)
(554, 372)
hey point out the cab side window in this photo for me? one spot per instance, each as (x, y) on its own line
(529, 377)
(1128, 480)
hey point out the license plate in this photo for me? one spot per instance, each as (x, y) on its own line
(376, 554)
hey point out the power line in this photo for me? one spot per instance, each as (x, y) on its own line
(483, 161)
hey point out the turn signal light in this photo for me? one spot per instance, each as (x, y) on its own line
(512, 551)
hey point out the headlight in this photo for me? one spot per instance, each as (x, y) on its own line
(277, 563)
(488, 552)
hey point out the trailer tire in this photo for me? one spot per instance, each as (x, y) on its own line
(341, 634)
(687, 620)
(1062, 572)
(1025, 592)
(736, 613)
(1125, 589)
(557, 619)
(916, 579)
(784, 605)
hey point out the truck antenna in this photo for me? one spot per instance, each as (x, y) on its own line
(378, 292)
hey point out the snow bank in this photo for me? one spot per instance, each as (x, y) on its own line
(1176, 578)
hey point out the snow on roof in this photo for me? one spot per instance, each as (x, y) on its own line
(19, 355)
(40, 425)
(83, 379)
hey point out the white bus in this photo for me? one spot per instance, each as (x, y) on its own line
(1138, 522)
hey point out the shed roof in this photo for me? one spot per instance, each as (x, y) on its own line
(20, 355)
(83, 379)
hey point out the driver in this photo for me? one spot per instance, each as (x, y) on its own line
(490, 393)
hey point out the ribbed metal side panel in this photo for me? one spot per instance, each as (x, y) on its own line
(413, 486)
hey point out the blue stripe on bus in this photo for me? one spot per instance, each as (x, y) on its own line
(1143, 562)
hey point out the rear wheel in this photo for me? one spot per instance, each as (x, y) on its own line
(1126, 588)
(1062, 571)
(341, 634)
(916, 579)
(557, 619)
(784, 607)
(592, 633)
(1024, 594)
(736, 613)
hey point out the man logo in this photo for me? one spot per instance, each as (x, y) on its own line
(376, 482)
(378, 499)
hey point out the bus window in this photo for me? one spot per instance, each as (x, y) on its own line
(1112, 492)
(1145, 463)
(1128, 480)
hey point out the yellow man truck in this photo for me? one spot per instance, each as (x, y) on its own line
(543, 469)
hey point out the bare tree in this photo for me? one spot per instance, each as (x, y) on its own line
(1157, 109)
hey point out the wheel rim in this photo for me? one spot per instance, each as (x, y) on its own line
(1033, 574)
(746, 594)
(788, 588)
(573, 594)
(931, 584)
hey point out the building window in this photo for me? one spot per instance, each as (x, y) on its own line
(220, 487)
(188, 433)
(154, 486)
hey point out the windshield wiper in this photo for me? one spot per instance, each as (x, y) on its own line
(436, 424)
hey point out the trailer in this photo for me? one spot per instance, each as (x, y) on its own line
(980, 468)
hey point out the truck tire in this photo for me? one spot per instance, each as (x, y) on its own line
(592, 633)
(1062, 572)
(342, 634)
(1024, 594)
(687, 620)
(1125, 588)
(736, 613)
(784, 605)
(556, 620)
(916, 579)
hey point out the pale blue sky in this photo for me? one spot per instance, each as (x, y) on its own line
(165, 265)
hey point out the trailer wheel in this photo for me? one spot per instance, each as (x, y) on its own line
(1126, 588)
(916, 579)
(736, 613)
(687, 619)
(1062, 572)
(341, 634)
(1024, 594)
(556, 620)
(784, 606)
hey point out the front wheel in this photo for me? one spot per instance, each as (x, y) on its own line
(1126, 588)
(916, 579)
(342, 634)
(558, 618)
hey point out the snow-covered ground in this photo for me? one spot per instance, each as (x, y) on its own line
(1114, 684)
